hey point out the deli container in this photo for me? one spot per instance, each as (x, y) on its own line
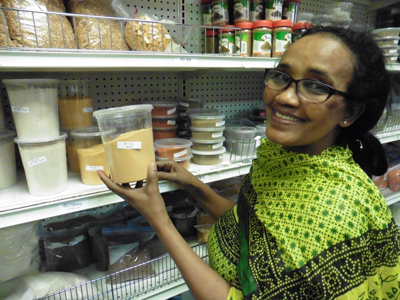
(390, 58)
(201, 120)
(387, 41)
(183, 161)
(34, 108)
(208, 157)
(391, 50)
(243, 148)
(172, 148)
(187, 103)
(164, 121)
(207, 133)
(162, 108)
(8, 168)
(208, 145)
(389, 32)
(45, 165)
(240, 132)
(164, 132)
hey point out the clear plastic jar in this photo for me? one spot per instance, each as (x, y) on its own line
(241, 11)
(273, 10)
(227, 40)
(281, 36)
(220, 12)
(207, 11)
(257, 10)
(298, 29)
(244, 39)
(212, 41)
(290, 10)
(262, 38)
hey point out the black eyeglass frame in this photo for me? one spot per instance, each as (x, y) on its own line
(332, 90)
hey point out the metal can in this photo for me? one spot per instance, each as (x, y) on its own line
(206, 9)
(262, 38)
(298, 29)
(273, 10)
(281, 36)
(241, 11)
(244, 38)
(220, 13)
(227, 40)
(257, 10)
(290, 10)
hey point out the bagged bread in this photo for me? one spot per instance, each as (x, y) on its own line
(5, 40)
(39, 30)
(96, 33)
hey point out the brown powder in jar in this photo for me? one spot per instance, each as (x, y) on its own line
(76, 111)
(90, 160)
(73, 160)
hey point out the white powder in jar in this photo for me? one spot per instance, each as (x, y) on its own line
(8, 169)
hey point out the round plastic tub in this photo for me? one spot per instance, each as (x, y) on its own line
(127, 136)
(190, 103)
(75, 103)
(208, 157)
(208, 145)
(172, 148)
(391, 50)
(164, 121)
(387, 32)
(183, 161)
(72, 155)
(391, 58)
(45, 165)
(204, 111)
(163, 108)
(389, 41)
(240, 132)
(8, 168)
(207, 121)
(243, 148)
(34, 108)
(91, 155)
(164, 133)
(207, 133)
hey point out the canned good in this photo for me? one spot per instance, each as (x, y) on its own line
(220, 13)
(290, 10)
(241, 11)
(257, 10)
(281, 36)
(244, 40)
(262, 38)
(273, 10)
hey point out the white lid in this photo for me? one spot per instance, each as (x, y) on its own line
(208, 129)
(172, 143)
(119, 111)
(62, 136)
(216, 141)
(223, 150)
(161, 103)
(206, 116)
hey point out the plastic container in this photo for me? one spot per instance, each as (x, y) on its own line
(392, 50)
(387, 42)
(162, 108)
(257, 10)
(184, 220)
(290, 10)
(262, 38)
(207, 11)
(172, 148)
(388, 32)
(243, 148)
(183, 161)
(203, 231)
(340, 12)
(8, 168)
(240, 132)
(164, 132)
(390, 58)
(208, 157)
(281, 36)
(127, 136)
(34, 108)
(207, 120)
(211, 41)
(273, 10)
(45, 165)
(187, 103)
(244, 39)
(75, 103)
(304, 17)
(227, 43)
(298, 29)
(91, 155)
(207, 133)
(164, 121)
(241, 11)
(220, 12)
(72, 154)
(261, 129)
(323, 20)
(204, 111)
(208, 145)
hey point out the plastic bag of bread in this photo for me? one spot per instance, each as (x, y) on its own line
(38, 29)
(96, 33)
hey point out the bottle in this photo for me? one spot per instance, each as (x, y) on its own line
(257, 10)
(241, 11)
(262, 38)
(281, 36)
(227, 40)
(273, 10)
(290, 10)
(244, 38)
(206, 9)
(220, 14)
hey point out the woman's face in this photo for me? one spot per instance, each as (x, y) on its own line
(303, 126)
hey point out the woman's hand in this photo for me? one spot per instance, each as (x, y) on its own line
(170, 170)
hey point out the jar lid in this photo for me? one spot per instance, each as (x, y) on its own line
(244, 25)
(212, 32)
(282, 23)
(123, 110)
(298, 1)
(262, 23)
(301, 25)
(228, 28)
(205, 1)
(62, 136)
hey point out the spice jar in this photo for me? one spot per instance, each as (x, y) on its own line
(212, 41)
(257, 11)
(227, 40)
(273, 10)
(241, 11)
(290, 10)
(244, 38)
(281, 36)
(262, 38)
(298, 29)
(206, 9)
(220, 13)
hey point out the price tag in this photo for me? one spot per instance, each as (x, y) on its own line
(185, 61)
(94, 168)
(72, 206)
(87, 109)
(37, 161)
(129, 145)
(20, 109)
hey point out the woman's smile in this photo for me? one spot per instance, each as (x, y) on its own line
(287, 117)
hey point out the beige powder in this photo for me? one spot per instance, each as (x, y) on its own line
(73, 161)
(129, 165)
(76, 111)
(90, 160)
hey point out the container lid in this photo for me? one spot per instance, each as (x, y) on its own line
(86, 132)
(211, 32)
(172, 143)
(390, 47)
(282, 23)
(62, 136)
(216, 141)
(209, 111)
(120, 111)
(186, 102)
(390, 29)
(301, 25)
(165, 128)
(31, 83)
(379, 38)
(228, 28)
(262, 23)
(240, 129)
(202, 116)
(161, 103)
(244, 25)
(220, 151)
(169, 117)
(208, 129)
(6, 135)
(177, 159)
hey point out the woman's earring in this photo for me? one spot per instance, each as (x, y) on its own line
(344, 122)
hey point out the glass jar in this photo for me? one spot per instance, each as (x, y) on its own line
(262, 38)
(298, 29)
(290, 10)
(227, 40)
(212, 41)
(244, 38)
(241, 11)
(220, 13)
(257, 10)
(206, 9)
(281, 36)
(273, 10)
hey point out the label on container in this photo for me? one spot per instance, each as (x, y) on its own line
(171, 122)
(167, 36)
(20, 109)
(241, 10)
(227, 44)
(216, 135)
(207, 14)
(221, 156)
(273, 10)
(88, 109)
(37, 161)
(282, 41)
(171, 111)
(220, 123)
(184, 104)
(262, 43)
(129, 145)
(393, 51)
(220, 13)
(256, 11)
(179, 154)
(216, 146)
(94, 168)
(241, 43)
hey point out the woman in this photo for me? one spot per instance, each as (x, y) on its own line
(309, 223)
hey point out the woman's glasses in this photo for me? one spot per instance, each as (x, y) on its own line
(307, 89)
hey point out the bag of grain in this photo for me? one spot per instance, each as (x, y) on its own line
(5, 40)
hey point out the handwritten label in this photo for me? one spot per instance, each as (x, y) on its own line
(171, 122)
(179, 154)
(216, 135)
(20, 109)
(94, 168)
(72, 206)
(37, 161)
(87, 109)
(171, 111)
(220, 123)
(129, 145)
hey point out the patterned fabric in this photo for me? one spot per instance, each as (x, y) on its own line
(319, 228)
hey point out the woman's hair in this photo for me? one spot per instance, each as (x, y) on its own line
(370, 86)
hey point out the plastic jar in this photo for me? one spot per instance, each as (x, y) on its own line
(227, 44)
(208, 145)
(273, 10)
(8, 168)
(164, 132)
(207, 133)
(207, 121)
(164, 121)
(262, 38)
(162, 108)
(183, 161)
(212, 41)
(298, 29)
(244, 40)
(220, 12)
(257, 10)
(207, 11)
(72, 155)
(290, 10)
(241, 11)
(186, 103)
(172, 148)
(208, 157)
(281, 36)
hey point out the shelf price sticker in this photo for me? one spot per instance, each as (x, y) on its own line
(185, 61)
(72, 206)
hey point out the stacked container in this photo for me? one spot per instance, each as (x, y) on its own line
(184, 106)
(240, 140)
(388, 40)
(163, 119)
(176, 149)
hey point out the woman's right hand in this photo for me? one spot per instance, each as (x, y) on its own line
(173, 171)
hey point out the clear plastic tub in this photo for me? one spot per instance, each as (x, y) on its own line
(45, 165)
(187, 103)
(8, 168)
(164, 133)
(172, 148)
(387, 41)
(162, 108)
(240, 132)
(340, 10)
(164, 121)
(387, 32)
(208, 157)
(207, 133)
(75, 103)
(207, 121)
(243, 148)
(183, 161)
(34, 108)
(91, 155)
(127, 136)
(391, 50)
(208, 145)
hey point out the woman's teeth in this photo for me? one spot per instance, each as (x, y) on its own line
(286, 117)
